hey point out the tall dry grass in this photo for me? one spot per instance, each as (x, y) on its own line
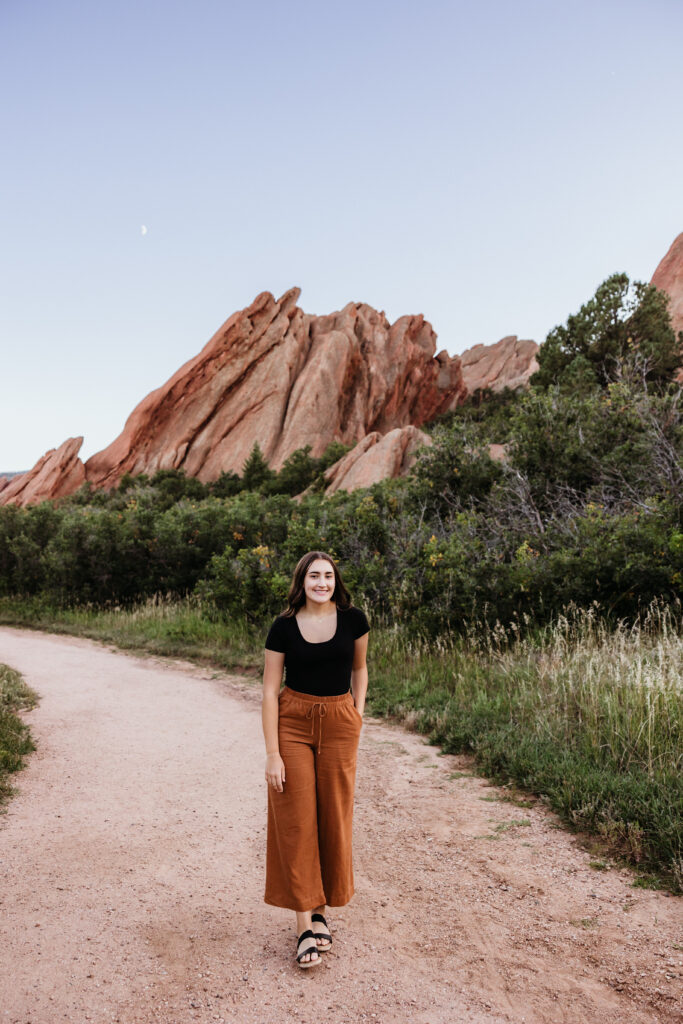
(588, 714)
(188, 628)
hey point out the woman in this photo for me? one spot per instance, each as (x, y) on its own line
(312, 728)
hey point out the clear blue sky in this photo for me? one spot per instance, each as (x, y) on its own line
(486, 164)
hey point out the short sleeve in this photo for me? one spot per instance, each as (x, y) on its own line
(276, 639)
(360, 624)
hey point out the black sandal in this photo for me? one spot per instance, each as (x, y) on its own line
(309, 949)
(322, 935)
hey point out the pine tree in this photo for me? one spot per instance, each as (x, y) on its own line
(256, 472)
(624, 325)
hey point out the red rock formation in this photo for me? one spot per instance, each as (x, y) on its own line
(375, 458)
(507, 364)
(275, 375)
(669, 277)
(4, 480)
(58, 473)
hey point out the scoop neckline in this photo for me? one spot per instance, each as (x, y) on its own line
(317, 643)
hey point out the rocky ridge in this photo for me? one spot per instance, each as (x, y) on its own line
(507, 364)
(279, 376)
(375, 458)
(284, 378)
(58, 473)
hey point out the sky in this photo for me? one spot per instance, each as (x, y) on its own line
(485, 164)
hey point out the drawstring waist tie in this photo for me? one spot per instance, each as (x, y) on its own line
(308, 703)
(322, 711)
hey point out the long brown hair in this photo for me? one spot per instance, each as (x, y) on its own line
(297, 596)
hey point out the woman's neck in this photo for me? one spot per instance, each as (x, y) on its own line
(314, 609)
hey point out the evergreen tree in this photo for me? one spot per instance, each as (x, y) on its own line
(172, 485)
(256, 472)
(623, 327)
(227, 484)
(332, 454)
(297, 473)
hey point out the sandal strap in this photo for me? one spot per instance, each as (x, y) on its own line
(310, 948)
(322, 935)
(307, 951)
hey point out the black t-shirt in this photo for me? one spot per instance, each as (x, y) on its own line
(322, 669)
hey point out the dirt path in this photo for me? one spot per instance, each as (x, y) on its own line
(132, 861)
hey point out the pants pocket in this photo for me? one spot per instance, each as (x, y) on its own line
(356, 712)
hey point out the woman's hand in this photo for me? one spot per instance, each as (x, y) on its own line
(275, 771)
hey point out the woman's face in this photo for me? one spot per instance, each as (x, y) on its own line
(319, 581)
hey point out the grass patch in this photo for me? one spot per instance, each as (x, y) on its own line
(518, 801)
(510, 798)
(647, 882)
(15, 736)
(177, 629)
(505, 826)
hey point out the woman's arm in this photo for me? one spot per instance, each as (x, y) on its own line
(359, 672)
(272, 679)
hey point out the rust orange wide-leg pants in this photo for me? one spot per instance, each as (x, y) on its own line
(308, 849)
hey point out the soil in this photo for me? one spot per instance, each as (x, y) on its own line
(132, 867)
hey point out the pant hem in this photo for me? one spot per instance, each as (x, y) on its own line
(342, 902)
(288, 904)
(285, 903)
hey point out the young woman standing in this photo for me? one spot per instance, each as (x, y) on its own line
(311, 729)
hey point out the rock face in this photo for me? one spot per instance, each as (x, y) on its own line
(669, 277)
(276, 375)
(507, 364)
(287, 379)
(375, 458)
(58, 473)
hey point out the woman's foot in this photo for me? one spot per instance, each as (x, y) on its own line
(321, 930)
(306, 953)
(306, 945)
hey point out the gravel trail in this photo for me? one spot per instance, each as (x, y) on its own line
(132, 864)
